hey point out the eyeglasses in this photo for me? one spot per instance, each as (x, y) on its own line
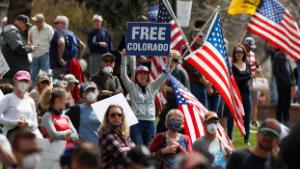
(108, 61)
(114, 114)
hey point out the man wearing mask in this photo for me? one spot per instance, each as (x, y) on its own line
(107, 83)
(14, 47)
(259, 156)
(211, 144)
(99, 42)
(83, 116)
(26, 150)
(17, 109)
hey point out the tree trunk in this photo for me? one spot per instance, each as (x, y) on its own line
(17, 7)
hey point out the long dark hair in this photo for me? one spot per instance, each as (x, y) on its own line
(245, 53)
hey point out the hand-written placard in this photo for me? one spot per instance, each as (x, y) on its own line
(4, 68)
(145, 38)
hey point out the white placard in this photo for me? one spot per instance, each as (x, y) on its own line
(50, 154)
(4, 68)
(184, 9)
(119, 99)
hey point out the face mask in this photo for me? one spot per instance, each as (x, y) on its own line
(31, 161)
(212, 128)
(91, 96)
(107, 70)
(174, 125)
(22, 86)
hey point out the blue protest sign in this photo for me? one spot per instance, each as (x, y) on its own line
(152, 13)
(146, 38)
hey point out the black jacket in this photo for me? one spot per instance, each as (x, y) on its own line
(15, 50)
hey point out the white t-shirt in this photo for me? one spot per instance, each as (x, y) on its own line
(13, 108)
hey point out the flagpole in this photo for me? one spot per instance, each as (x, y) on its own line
(168, 6)
(201, 30)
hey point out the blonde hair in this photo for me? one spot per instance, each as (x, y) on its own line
(106, 125)
(49, 95)
(174, 112)
(175, 54)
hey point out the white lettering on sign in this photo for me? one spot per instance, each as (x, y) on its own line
(148, 33)
(147, 47)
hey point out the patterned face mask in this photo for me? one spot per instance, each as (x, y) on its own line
(174, 125)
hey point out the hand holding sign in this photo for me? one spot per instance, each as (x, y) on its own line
(152, 39)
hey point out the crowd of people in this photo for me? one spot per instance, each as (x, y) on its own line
(47, 95)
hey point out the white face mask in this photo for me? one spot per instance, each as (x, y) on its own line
(212, 128)
(107, 70)
(31, 161)
(22, 87)
(91, 96)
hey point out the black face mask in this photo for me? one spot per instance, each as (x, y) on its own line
(56, 112)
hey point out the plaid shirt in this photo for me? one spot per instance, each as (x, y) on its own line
(112, 156)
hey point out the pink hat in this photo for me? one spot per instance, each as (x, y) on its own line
(22, 75)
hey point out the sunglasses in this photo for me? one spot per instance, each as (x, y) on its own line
(108, 61)
(114, 114)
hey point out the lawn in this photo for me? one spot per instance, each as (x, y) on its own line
(238, 140)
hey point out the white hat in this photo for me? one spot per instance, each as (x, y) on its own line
(63, 19)
(97, 18)
(70, 78)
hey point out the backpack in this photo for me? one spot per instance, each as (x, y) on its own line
(71, 43)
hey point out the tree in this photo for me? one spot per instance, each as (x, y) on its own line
(17, 7)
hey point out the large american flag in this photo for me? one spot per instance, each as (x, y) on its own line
(275, 24)
(193, 112)
(212, 61)
(177, 42)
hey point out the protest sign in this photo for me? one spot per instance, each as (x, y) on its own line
(152, 13)
(184, 9)
(119, 99)
(50, 154)
(151, 39)
(4, 68)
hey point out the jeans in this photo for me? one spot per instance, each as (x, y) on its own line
(273, 90)
(39, 63)
(298, 80)
(246, 99)
(142, 132)
(200, 92)
(213, 102)
(284, 103)
(94, 63)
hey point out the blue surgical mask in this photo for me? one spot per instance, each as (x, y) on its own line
(174, 125)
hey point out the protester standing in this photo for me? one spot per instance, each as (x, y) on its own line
(142, 93)
(114, 140)
(18, 109)
(168, 144)
(242, 75)
(40, 35)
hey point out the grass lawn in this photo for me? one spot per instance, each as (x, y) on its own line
(238, 140)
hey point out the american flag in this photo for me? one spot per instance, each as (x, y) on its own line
(177, 42)
(212, 61)
(193, 112)
(275, 24)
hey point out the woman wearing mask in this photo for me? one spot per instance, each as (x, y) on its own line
(17, 109)
(114, 140)
(83, 116)
(56, 125)
(210, 144)
(170, 143)
(242, 74)
(142, 93)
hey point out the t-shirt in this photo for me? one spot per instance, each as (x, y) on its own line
(244, 159)
(13, 108)
(89, 124)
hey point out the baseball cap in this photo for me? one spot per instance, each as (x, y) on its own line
(24, 19)
(250, 41)
(97, 18)
(42, 78)
(70, 78)
(108, 55)
(211, 116)
(88, 85)
(38, 17)
(141, 69)
(270, 126)
(22, 75)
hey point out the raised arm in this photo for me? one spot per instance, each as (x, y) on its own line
(162, 77)
(126, 80)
